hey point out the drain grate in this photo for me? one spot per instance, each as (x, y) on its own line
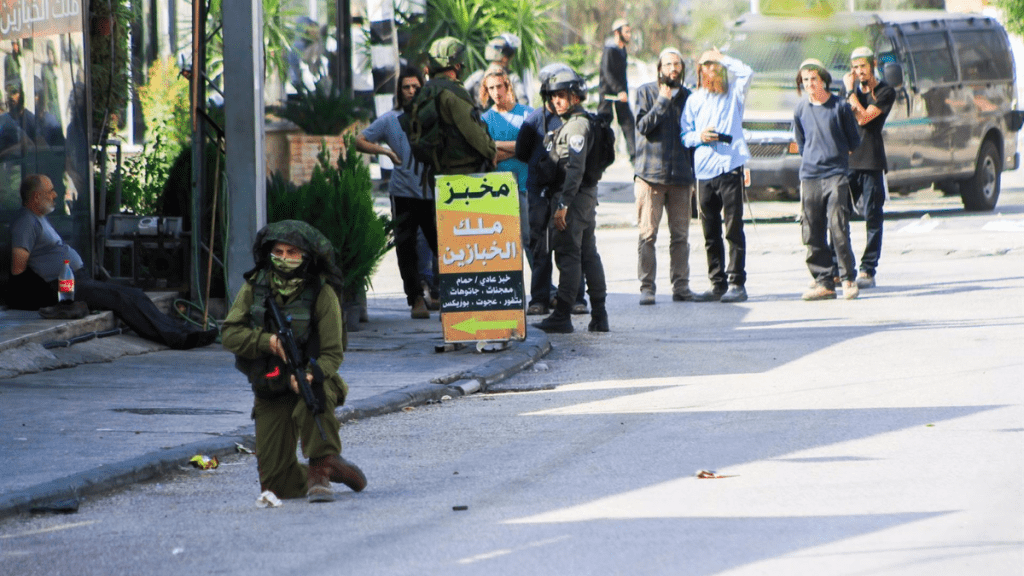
(175, 411)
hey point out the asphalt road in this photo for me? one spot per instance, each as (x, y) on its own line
(883, 435)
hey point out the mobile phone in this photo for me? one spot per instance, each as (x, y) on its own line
(724, 138)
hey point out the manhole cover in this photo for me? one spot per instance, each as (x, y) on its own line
(176, 411)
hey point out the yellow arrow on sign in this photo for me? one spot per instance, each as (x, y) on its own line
(472, 326)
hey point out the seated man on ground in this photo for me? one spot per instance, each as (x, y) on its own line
(38, 256)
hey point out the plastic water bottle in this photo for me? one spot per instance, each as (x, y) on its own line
(66, 284)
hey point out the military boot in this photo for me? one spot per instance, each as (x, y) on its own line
(598, 316)
(344, 472)
(560, 321)
(318, 481)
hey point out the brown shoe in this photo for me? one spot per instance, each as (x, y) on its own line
(344, 472)
(819, 292)
(318, 483)
(419, 309)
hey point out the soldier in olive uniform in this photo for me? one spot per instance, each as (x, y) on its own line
(295, 265)
(575, 202)
(467, 146)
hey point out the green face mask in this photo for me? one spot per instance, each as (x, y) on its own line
(284, 265)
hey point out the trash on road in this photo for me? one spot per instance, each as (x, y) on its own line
(204, 462)
(243, 449)
(705, 474)
(460, 508)
(408, 409)
(268, 500)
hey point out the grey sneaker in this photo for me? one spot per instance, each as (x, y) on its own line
(865, 280)
(646, 297)
(713, 294)
(735, 294)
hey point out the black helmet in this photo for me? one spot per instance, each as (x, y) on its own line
(545, 74)
(505, 45)
(567, 79)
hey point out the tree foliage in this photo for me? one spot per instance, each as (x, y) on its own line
(1013, 15)
(475, 22)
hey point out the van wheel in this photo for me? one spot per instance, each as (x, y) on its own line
(981, 191)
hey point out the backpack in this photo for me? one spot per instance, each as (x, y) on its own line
(421, 123)
(602, 151)
(434, 144)
(599, 157)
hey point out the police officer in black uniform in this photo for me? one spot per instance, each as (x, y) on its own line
(575, 202)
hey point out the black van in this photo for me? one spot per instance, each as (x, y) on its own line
(955, 120)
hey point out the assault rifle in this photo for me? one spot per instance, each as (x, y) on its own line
(293, 358)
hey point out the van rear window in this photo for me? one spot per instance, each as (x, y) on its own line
(983, 55)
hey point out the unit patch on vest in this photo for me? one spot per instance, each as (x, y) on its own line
(576, 143)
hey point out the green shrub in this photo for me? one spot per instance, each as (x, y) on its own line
(338, 201)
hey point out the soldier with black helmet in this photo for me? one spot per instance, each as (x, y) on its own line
(295, 266)
(575, 201)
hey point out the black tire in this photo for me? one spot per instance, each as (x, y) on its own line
(981, 191)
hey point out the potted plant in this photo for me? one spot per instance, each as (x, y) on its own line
(338, 201)
(322, 114)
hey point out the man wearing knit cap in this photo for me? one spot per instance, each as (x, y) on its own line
(663, 180)
(712, 124)
(826, 133)
(614, 88)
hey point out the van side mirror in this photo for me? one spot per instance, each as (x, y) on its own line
(893, 74)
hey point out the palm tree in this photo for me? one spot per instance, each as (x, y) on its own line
(475, 22)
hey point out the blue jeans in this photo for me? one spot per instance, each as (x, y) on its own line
(868, 192)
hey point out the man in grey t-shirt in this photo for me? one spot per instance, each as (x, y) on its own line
(37, 258)
(412, 199)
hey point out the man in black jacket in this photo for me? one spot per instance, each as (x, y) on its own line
(663, 181)
(614, 88)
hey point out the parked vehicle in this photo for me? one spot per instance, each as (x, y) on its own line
(955, 120)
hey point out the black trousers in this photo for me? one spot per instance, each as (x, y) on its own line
(27, 291)
(721, 201)
(541, 249)
(412, 215)
(626, 122)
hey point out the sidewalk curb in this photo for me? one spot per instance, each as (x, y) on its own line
(152, 465)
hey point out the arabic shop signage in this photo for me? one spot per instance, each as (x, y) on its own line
(480, 257)
(25, 18)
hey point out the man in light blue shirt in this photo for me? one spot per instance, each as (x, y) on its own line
(712, 124)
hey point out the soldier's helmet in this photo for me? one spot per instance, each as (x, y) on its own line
(445, 53)
(545, 74)
(568, 79)
(506, 44)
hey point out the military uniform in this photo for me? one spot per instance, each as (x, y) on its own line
(576, 247)
(282, 418)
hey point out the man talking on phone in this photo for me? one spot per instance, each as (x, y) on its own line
(663, 177)
(712, 124)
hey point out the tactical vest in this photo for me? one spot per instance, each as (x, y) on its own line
(301, 309)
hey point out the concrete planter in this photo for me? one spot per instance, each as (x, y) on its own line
(294, 153)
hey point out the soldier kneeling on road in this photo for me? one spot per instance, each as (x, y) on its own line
(295, 282)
